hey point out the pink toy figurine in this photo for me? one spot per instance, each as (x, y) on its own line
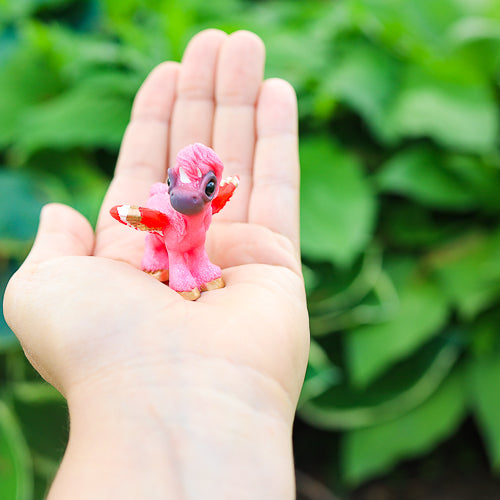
(177, 216)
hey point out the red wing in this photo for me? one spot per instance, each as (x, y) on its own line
(226, 190)
(143, 219)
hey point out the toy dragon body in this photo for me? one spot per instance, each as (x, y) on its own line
(177, 217)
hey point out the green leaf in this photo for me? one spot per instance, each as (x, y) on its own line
(473, 29)
(374, 450)
(95, 113)
(85, 185)
(401, 389)
(371, 349)
(468, 270)
(16, 480)
(345, 287)
(411, 29)
(419, 174)
(20, 202)
(22, 196)
(7, 337)
(407, 226)
(43, 416)
(459, 114)
(25, 8)
(482, 333)
(481, 176)
(320, 375)
(338, 206)
(26, 79)
(366, 78)
(378, 304)
(484, 380)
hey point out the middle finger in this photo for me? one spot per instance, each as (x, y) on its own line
(194, 109)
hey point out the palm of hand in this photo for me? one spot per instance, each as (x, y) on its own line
(256, 327)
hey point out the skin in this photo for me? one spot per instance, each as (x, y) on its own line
(170, 398)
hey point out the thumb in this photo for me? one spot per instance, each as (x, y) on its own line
(62, 232)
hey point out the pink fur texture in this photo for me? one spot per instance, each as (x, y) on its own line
(181, 249)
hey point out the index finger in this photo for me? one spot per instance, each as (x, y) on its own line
(142, 162)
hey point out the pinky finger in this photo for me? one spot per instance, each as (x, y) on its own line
(274, 201)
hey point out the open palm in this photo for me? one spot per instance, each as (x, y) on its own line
(93, 314)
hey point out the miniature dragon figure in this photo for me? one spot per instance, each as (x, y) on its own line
(177, 216)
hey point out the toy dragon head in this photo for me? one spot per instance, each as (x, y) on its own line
(194, 180)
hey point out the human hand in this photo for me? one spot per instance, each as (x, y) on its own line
(113, 340)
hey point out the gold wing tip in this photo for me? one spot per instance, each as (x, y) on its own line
(234, 180)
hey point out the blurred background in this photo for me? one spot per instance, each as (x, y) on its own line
(399, 115)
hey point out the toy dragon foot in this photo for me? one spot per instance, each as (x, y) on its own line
(160, 275)
(194, 294)
(213, 285)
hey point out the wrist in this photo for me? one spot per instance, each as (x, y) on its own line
(221, 433)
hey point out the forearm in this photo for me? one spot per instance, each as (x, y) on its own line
(199, 442)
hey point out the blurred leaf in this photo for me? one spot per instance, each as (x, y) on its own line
(480, 176)
(7, 337)
(459, 114)
(320, 375)
(471, 29)
(364, 77)
(43, 416)
(24, 8)
(20, 203)
(21, 199)
(413, 29)
(408, 226)
(338, 206)
(401, 389)
(95, 113)
(293, 55)
(371, 349)
(88, 187)
(377, 305)
(16, 481)
(482, 333)
(469, 271)
(78, 56)
(484, 376)
(84, 183)
(419, 174)
(311, 279)
(26, 78)
(346, 287)
(371, 451)
(9, 40)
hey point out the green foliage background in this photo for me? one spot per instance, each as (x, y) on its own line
(399, 110)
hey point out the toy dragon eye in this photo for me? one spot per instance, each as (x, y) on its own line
(168, 182)
(209, 190)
